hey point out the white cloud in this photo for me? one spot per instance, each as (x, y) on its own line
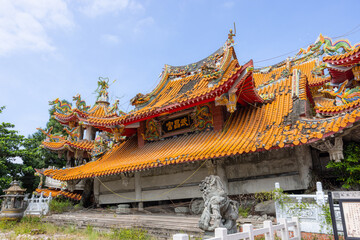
(24, 23)
(109, 38)
(95, 8)
(143, 23)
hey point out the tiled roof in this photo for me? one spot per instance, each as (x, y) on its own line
(55, 193)
(54, 146)
(333, 110)
(171, 98)
(84, 145)
(98, 111)
(46, 192)
(344, 59)
(319, 81)
(175, 92)
(249, 129)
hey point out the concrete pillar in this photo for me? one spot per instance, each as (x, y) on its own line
(220, 170)
(68, 159)
(303, 156)
(97, 192)
(138, 194)
(90, 133)
(81, 132)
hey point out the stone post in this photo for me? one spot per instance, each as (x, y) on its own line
(303, 156)
(138, 194)
(97, 191)
(220, 170)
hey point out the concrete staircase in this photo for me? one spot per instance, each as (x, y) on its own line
(160, 226)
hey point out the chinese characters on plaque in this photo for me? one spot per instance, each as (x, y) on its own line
(351, 213)
(175, 124)
(349, 202)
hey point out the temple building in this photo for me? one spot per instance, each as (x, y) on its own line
(251, 127)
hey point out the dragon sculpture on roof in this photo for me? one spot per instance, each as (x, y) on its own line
(51, 137)
(325, 45)
(63, 106)
(342, 94)
(103, 85)
(80, 104)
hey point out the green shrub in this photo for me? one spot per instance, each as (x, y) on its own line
(60, 205)
(244, 211)
(348, 170)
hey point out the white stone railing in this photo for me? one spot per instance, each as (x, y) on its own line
(249, 232)
(309, 208)
(38, 206)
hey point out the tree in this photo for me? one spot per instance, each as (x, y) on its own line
(348, 170)
(34, 156)
(10, 150)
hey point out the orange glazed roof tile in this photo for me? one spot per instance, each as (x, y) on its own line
(101, 110)
(180, 87)
(249, 129)
(46, 192)
(55, 193)
(344, 59)
(334, 110)
(84, 145)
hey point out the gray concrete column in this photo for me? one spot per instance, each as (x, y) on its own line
(138, 194)
(303, 155)
(81, 132)
(220, 170)
(97, 192)
(90, 133)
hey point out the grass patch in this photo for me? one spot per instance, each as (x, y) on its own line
(34, 226)
(129, 234)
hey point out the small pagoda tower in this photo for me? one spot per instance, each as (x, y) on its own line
(13, 205)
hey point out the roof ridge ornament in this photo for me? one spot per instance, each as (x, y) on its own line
(103, 85)
(325, 45)
(230, 41)
(80, 104)
(63, 107)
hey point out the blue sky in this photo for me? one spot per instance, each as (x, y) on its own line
(58, 48)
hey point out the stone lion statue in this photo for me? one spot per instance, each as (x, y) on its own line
(220, 210)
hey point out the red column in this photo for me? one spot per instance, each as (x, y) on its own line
(218, 118)
(140, 131)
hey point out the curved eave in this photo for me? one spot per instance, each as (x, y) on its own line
(66, 118)
(319, 81)
(54, 146)
(328, 111)
(66, 144)
(246, 86)
(347, 59)
(81, 145)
